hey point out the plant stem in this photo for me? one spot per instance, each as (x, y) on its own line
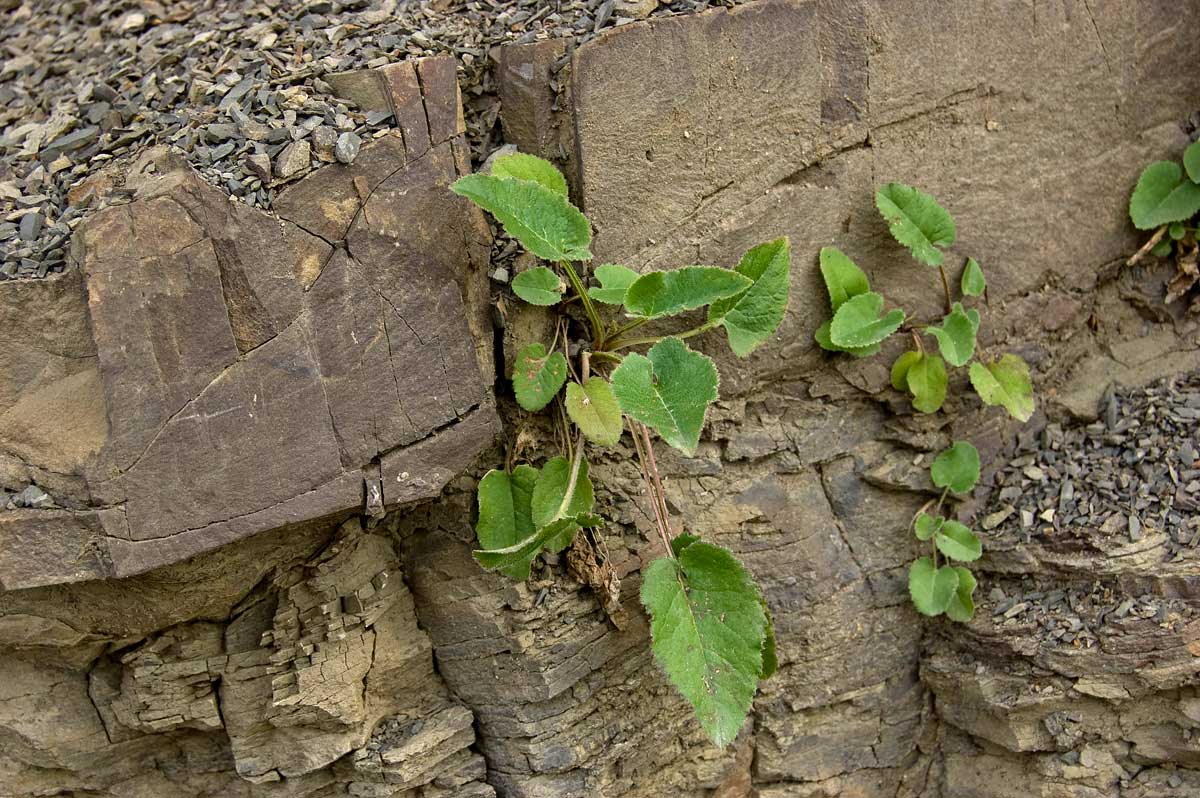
(916, 336)
(659, 507)
(945, 286)
(633, 325)
(610, 356)
(618, 344)
(576, 462)
(1149, 245)
(588, 307)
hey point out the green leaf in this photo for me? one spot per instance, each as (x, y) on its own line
(594, 409)
(529, 167)
(1162, 249)
(970, 313)
(900, 369)
(707, 629)
(1162, 196)
(927, 383)
(1176, 231)
(518, 558)
(751, 317)
(930, 587)
(857, 322)
(956, 337)
(1191, 161)
(926, 526)
(660, 293)
(956, 468)
(962, 604)
(551, 488)
(504, 511)
(669, 390)
(958, 543)
(916, 220)
(614, 282)
(821, 336)
(538, 286)
(843, 278)
(543, 221)
(537, 377)
(1005, 382)
(681, 542)
(973, 282)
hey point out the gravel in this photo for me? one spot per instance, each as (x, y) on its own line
(84, 85)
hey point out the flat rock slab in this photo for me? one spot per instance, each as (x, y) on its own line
(258, 370)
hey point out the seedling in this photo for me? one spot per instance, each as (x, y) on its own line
(1167, 201)
(710, 628)
(859, 326)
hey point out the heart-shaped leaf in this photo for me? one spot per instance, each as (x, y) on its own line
(930, 587)
(1162, 195)
(926, 525)
(518, 558)
(614, 283)
(927, 383)
(538, 286)
(543, 220)
(958, 543)
(970, 313)
(537, 376)
(973, 282)
(522, 166)
(956, 338)
(550, 489)
(843, 278)
(707, 630)
(821, 336)
(665, 293)
(1005, 382)
(751, 317)
(1191, 161)
(916, 220)
(594, 409)
(962, 604)
(900, 369)
(505, 517)
(669, 390)
(857, 322)
(956, 468)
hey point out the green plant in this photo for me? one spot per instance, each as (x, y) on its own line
(1166, 200)
(859, 326)
(710, 628)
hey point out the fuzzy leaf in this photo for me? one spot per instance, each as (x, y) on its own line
(538, 286)
(962, 604)
(916, 220)
(551, 487)
(750, 317)
(927, 383)
(529, 167)
(594, 409)
(970, 313)
(518, 558)
(973, 282)
(957, 542)
(504, 512)
(843, 278)
(1191, 161)
(1005, 382)
(821, 336)
(543, 221)
(682, 541)
(857, 322)
(900, 369)
(707, 629)
(930, 587)
(614, 282)
(665, 293)
(956, 468)
(669, 390)
(1162, 195)
(1176, 230)
(956, 338)
(926, 526)
(1162, 249)
(537, 376)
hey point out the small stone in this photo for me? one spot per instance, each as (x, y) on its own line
(259, 165)
(1135, 527)
(993, 520)
(220, 132)
(293, 160)
(31, 226)
(324, 142)
(500, 275)
(33, 496)
(346, 148)
(1034, 473)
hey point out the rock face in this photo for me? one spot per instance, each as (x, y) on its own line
(247, 372)
(197, 616)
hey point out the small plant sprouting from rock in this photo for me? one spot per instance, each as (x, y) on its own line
(710, 628)
(859, 326)
(1167, 201)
